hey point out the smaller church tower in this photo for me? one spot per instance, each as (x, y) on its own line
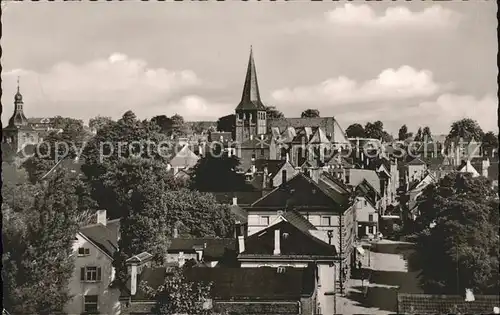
(19, 132)
(251, 118)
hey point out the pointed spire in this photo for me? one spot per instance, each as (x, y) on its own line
(18, 85)
(250, 98)
(18, 118)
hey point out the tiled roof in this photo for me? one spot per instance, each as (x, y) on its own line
(446, 304)
(185, 157)
(220, 136)
(294, 242)
(255, 283)
(416, 161)
(300, 192)
(298, 220)
(356, 176)
(273, 166)
(243, 197)
(102, 236)
(214, 248)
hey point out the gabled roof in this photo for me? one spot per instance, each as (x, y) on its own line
(185, 157)
(319, 137)
(240, 213)
(300, 192)
(296, 219)
(102, 237)
(273, 166)
(250, 99)
(446, 304)
(466, 167)
(293, 242)
(356, 176)
(213, 248)
(416, 161)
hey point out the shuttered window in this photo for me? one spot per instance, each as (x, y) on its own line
(90, 274)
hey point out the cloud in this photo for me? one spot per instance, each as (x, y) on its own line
(363, 15)
(390, 84)
(437, 113)
(200, 109)
(103, 86)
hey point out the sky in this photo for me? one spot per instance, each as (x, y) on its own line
(413, 63)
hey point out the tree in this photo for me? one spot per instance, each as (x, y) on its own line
(226, 123)
(99, 122)
(376, 131)
(489, 143)
(178, 295)
(179, 128)
(273, 113)
(355, 131)
(223, 168)
(310, 113)
(426, 134)
(403, 133)
(419, 136)
(465, 128)
(165, 124)
(38, 261)
(457, 241)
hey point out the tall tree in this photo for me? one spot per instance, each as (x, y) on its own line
(458, 236)
(164, 122)
(489, 143)
(226, 123)
(273, 113)
(355, 131)
(376, 130)
(403, 133)
(426, 134)
(38, 250)
(465, 128)
(309, 113)
(419, 136)
(99, 122)
(178, 295)
(179, 127)
(223, 168)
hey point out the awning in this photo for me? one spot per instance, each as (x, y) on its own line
(360, 250)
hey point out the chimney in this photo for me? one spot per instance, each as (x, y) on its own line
(277, 239)
(251, 137)
(135, 265)
(288, 157)
(176, 233)
(241, 244)
(101, 217)
(253, 169)
(235, 201)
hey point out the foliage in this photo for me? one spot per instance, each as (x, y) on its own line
(273, 113)
(99, 122)
(309, 113)
(37, 258)
(426, 133)
(178, 295)
(179, 127)
(164, 123)
(489, 142)
(458, 235)
(223, 168)
(355, 131)
(419, 136)
(376, 131)
(226, 123)
(403, 133)
(465, 128)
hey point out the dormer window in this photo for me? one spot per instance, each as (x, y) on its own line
(83, 251)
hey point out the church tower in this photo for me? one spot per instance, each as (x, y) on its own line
(250, 112)
(19, 132)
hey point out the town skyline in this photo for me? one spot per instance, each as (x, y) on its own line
(375, 73)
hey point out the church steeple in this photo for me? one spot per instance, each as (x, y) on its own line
(18, 118)
(250, 99)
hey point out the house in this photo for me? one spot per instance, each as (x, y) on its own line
(241, 217)
(290, 291)
(183, 160)
(366, 210)
(269, 174)
(289, 242)
(446, 304)
(93, 248)
(211, 252)
(466, 167)
(326, 204)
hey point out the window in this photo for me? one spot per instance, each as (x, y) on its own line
(326, 221)
(82, 251)
(262, 152)
(253, 156)
(90, 303)
(264, 220)
(365, 202)
(90, 274)
(370, 217)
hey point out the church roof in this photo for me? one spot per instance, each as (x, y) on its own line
(250, 99)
